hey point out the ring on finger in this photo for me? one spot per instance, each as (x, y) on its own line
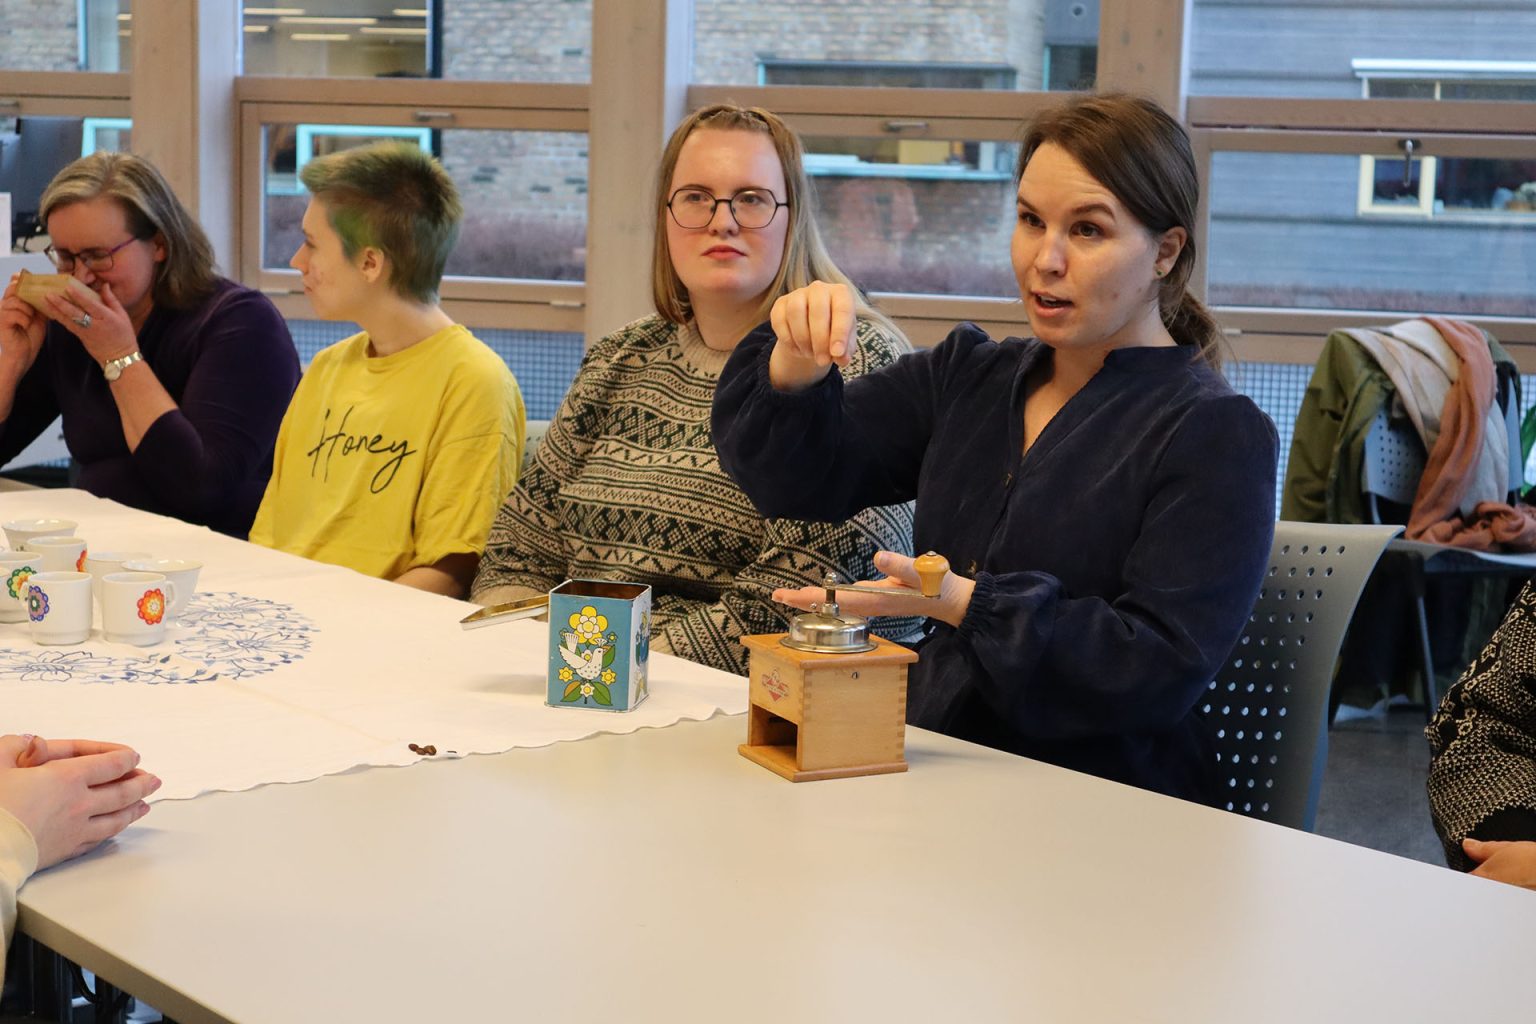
(84, 320)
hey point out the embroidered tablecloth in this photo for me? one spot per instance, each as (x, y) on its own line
(283, 670)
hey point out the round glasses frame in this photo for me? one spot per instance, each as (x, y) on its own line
(97, 261)
(753, 220)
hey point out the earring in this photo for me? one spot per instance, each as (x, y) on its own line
(1158, 271)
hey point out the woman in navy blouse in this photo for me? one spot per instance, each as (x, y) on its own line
(1104, 498)
(170, 379)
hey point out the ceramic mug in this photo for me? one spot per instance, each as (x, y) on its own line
(59, 607)
(99, 563)
(135, 606)
(19, 531)
(15, 568)
(180, 571)
(59, 554)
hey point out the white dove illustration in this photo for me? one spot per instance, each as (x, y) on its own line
(587, 665)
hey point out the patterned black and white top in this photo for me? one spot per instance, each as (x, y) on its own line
(1482, 781)
(626, 485)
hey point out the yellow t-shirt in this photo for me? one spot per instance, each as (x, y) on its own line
(386, 463)
(18, 859)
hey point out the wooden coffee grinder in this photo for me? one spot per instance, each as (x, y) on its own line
(827, 699)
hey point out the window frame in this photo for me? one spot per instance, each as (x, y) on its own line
(411, 104)
(1352, 127)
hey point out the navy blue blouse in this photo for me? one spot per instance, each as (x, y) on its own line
(1116, 562)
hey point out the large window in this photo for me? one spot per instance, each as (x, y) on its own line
(910, 116)
(1301, 49)
(1275, 245)
(507, 40)
(66, 35)
(524, 194)
(975, 44)
(925, 216)
(35, 148)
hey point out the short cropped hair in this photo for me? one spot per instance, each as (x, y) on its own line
(396, 198)
(187, 275)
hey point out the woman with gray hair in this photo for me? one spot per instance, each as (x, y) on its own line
(171, 380)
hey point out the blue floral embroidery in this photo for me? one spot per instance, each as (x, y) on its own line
(35, 665)
(239, 636)
(232, 636)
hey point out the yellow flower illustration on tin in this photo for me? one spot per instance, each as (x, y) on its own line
(565, 675)
(588, 625)
(608, 676)
(586, 689)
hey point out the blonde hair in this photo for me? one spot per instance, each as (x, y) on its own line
(805, 257)
(187, 274)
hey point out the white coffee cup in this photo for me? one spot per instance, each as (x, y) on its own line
(99, 563)
(59, 554)
(180, 571)
(19, 531)
(135, 606)
(59, 607)
(15, 568)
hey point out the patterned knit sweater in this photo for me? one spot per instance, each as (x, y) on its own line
(626, 485)
(1482, 781)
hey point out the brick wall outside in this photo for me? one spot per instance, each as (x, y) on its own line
(530, 188)
(39, 35)
(525, 40)
(729, 35)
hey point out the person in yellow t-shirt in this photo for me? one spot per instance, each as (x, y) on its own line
(60, 799)
(401, 441)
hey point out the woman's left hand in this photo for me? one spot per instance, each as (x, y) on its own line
(97, 319)
(904, 599)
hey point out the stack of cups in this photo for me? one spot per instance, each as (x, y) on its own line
(50, 580)
(44, 551)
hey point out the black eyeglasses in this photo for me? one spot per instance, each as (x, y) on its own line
(96, 260)
(752, 207)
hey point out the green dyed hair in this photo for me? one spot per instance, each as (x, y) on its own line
(392, 197)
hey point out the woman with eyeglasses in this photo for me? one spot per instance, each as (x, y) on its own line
(626, 484)
(171, 380)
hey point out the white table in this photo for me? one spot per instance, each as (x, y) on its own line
(285, 669)
(661, 876)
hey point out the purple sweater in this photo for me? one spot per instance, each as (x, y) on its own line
(230, 366)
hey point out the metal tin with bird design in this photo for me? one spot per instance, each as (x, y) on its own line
(599, 644)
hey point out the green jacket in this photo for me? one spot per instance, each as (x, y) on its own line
(1324, 470)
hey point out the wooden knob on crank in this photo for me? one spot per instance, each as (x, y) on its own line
(930, 573)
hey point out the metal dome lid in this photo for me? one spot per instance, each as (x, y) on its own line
(825, 630)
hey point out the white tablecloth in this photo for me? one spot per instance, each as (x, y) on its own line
(285, 670)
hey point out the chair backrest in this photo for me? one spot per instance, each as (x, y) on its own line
(1268, 708)
(533, 434)
(1394, 461)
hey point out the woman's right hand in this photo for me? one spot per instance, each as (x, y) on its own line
(814, 327)
(21, 330)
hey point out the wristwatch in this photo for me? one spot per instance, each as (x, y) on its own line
(113, 368)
